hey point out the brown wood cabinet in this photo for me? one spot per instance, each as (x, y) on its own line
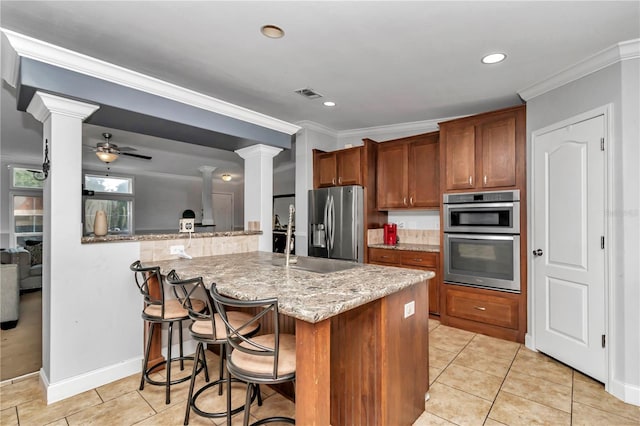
(408, 173)
(490, 312)
(336, 168)
(429, 261)
(484, 152)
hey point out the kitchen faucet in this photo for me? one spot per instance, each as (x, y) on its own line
(287, 248)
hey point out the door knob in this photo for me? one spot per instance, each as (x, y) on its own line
(537, 252)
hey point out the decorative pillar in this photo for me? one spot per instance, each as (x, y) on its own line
(207, 199)
(62, 193)
(258, 190)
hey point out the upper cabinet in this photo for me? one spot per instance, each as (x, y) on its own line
(343, 167)
(408, 173)
(484, 151)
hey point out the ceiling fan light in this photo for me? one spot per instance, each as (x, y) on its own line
(226, 177)
(107, 157)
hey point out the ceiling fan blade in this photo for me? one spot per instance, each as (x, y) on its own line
(144, 157)
(126, 149)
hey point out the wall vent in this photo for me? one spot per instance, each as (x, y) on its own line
(308, 93)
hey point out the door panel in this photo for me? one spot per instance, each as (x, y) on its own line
(222, 209)
(424, 174)
(569, 275)
(499, 153)
(392, 181)
(460, 157)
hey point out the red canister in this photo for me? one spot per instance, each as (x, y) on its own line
(390, 234)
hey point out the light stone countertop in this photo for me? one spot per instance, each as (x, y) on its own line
(409, 247)
(162, 236)
(304, 295)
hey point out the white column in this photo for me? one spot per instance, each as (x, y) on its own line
(207, 190)
(62, 127)
(258, 190)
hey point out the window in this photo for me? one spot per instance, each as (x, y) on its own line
(27, 218)
(114, 196)
(24, 178)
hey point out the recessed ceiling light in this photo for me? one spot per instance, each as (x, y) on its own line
(494, 58)
(272, 31)
(329, 104)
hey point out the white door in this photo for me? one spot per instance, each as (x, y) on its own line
(568, 260)
(222, 211)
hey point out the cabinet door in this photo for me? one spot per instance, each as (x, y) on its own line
(499, 153)
(392, 177)
(349, 166)
(460, 157)
(326, 171)
(424, 173)
(429, 262)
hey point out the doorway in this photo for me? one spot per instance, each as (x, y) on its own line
(222, 211)
(569, 280)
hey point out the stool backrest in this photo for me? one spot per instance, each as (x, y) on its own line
(150, 283)
(236, 334)
(185, 291)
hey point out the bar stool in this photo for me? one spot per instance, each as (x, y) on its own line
(157, 311)
(264, 359)
(208, 329)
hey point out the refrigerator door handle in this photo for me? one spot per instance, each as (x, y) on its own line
(332, 220)
(327, 226)
(354, 229)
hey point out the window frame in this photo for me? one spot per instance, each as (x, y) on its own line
(13, 235)
(12, 184)
(110, 196)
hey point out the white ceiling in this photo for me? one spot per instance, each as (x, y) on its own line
(383, 63)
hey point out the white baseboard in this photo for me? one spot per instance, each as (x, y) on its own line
(529, 342)
(72, 386)
(626, 392)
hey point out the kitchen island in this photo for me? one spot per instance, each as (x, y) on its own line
(361, 333)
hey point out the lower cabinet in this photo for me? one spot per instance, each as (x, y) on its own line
(429, 261)
(489, 312)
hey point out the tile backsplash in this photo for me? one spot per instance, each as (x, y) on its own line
(409, 236)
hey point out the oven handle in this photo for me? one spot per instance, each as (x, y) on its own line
(477, 206)
(490, 237)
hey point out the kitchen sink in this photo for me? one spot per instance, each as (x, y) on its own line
(316, 264)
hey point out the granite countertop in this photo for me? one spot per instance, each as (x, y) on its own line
(163, 236)
(304, 295)
(408, 247)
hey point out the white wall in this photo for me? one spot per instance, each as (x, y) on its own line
(618, 85)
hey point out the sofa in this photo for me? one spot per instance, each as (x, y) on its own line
(9, 296)
(29, 274)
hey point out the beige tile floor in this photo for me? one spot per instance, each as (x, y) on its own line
(475, 380)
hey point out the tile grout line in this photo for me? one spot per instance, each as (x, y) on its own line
(504, 379)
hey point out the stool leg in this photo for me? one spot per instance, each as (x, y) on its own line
(229, 400)
(181, 352)
(146, 353)
(247, 406)
(168, 389)
(206, 368)
(193, 381)
(221, 367)
(257, 389)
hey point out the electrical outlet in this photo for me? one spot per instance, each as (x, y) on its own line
(409, 309)
(176, 249)
(400, 225)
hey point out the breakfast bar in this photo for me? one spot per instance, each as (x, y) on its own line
(361, 331)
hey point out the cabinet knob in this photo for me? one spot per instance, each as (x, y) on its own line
(470, 180)
(340, 180)
(480, 308)
(333, 181)
(485, 179)
(404, 201)
(411, 200)
(417, 260)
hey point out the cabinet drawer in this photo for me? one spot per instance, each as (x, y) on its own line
(419, 258)
(389, 256)
(478, 305)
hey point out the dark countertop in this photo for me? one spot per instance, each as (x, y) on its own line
(409, 247)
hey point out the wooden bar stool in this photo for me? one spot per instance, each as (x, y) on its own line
(264, 359)
(157, 311)
(209, 329)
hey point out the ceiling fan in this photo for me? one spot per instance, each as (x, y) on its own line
(109, 152)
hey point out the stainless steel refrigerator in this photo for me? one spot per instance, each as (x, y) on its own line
(336, 223)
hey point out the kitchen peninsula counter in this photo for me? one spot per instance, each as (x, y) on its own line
(358, 333)
(159, 236)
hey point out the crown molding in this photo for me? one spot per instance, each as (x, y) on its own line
(393, 130)
(259, 150)
(28, 47)
(316, 127)
(43, 104)
(618, 52)
(10, 62)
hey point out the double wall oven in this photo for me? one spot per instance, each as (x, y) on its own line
(482, 239)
